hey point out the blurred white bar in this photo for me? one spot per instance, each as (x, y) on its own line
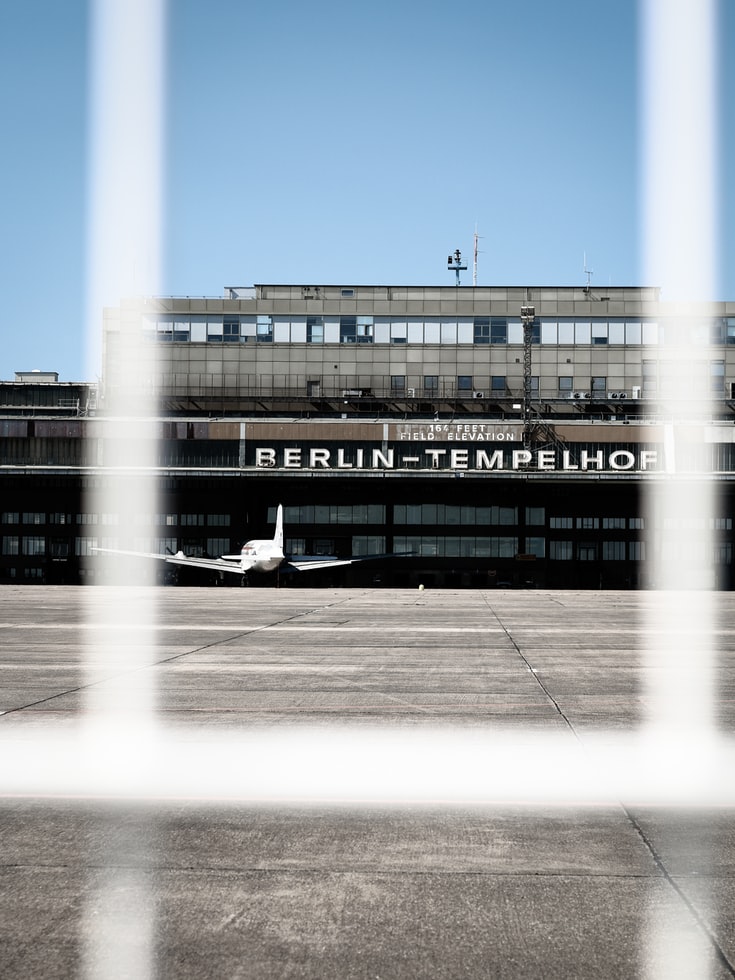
(124, 235)
(679, 166)
(385, 765)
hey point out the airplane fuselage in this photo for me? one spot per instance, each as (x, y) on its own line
(260, 556)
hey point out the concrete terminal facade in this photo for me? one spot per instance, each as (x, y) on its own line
(390, 418)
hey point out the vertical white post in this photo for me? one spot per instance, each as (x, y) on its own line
(126, 131)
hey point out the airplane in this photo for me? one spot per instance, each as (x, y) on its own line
(259, 555)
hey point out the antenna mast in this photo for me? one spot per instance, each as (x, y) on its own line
(474, 263)
(588, 273)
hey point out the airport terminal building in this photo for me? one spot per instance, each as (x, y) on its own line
(492, 436)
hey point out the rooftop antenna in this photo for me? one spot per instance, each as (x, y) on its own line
(454, 261)
(476, 253)
(588, 273)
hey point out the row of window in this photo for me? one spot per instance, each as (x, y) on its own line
(433, 546)
(170, 520)
(465, 546)
(567, 384)
(403, 514)
(562, 331)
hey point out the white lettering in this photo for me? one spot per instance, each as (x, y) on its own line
(648, 456)
(486, 462)
(342, 464)
(265, 457)
(622, 454)
(520, 458)
(292, 458)
(434, 455)
(567, 463)
(586, 460)
(383, 459)
(459, 459)
(319, 457)
(360, 458)
(546, 459)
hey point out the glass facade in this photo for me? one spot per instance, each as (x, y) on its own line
(479, 330)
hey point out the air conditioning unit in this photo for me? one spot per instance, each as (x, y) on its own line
(478, 394)
(580, 394)
(615, 395)
(411, 392)
(636, 392)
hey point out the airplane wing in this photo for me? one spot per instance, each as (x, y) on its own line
(309, 563)
(224, 564)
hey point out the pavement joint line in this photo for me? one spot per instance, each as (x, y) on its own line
(156, 663)
(533, 672)
(306, 871)
(308, 612)
(720, 954)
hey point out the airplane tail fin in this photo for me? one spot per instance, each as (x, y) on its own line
(278, 536)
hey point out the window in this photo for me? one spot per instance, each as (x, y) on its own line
(34, 545)
(615, 523)
(482, 330)
(717, 377)
(215, 330)
(192, 520)
(231, 330)
(649, 377)
(368, 544)
(431, 383)
(59, 548)
(314, 330)
(347, 293)
(613, 550)
(59, 518)
(536, 546)
(11, 517)
(636, 550)
(560, 522)
(730, 330)
(356, 330)
(587, 551)
(566, 383)
(34, 517)
(588, 523)
(218, 546)
(599, 384)
(635, 523)
(535, 515)
(464, 382)
(498, 382)
(398, 382)
(218, 520)
(499, 330)
(264, 329)
(560, 550)
(11, 543)
(599, 333)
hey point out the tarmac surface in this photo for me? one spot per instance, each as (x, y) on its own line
(187, 887)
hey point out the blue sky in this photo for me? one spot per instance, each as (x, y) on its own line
(338, 143)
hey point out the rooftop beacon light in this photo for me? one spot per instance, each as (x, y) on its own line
(454, 261)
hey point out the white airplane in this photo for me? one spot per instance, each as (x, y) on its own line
(260, 555)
